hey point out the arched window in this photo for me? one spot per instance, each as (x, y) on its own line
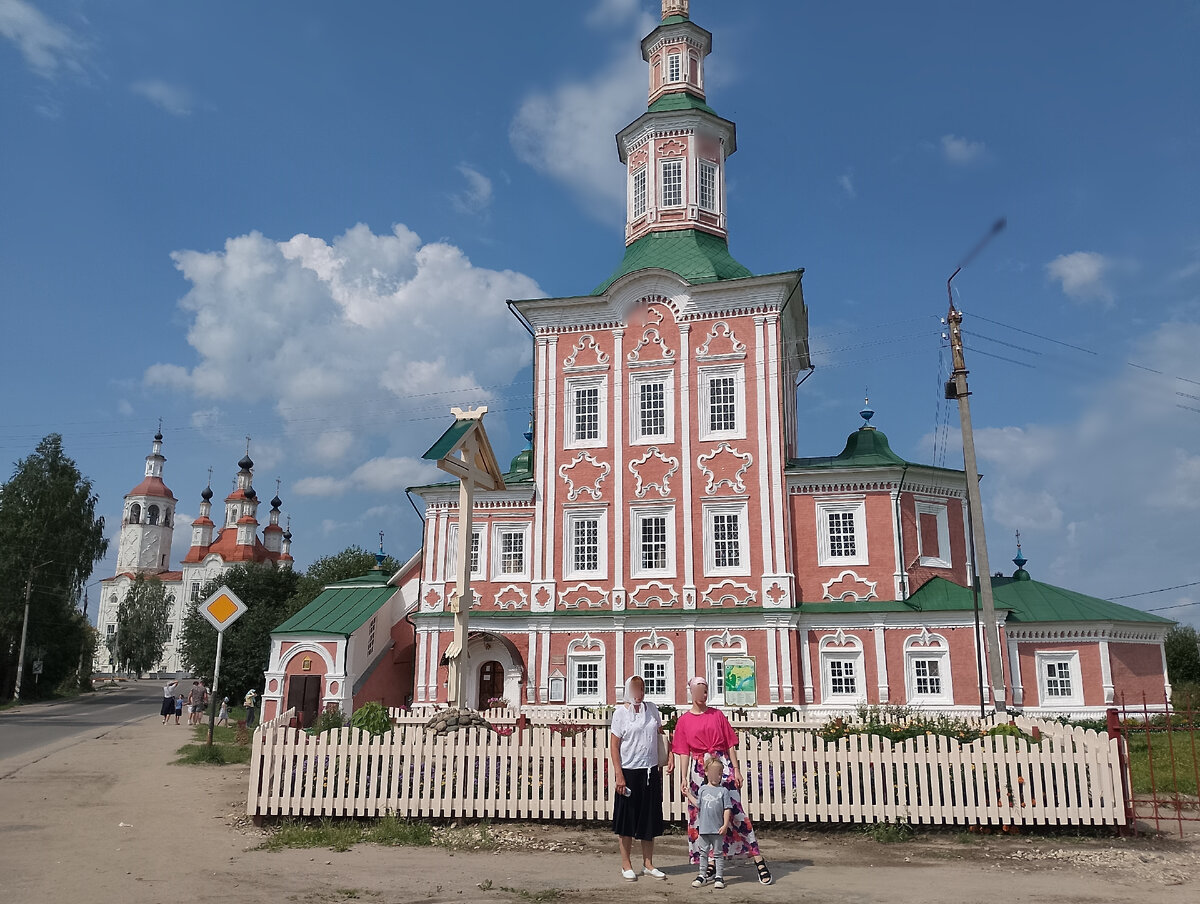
(927, 676)
(135, 514)
(152, 515)
(842, 677)
(166, 517)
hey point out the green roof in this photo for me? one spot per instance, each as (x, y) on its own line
(866, 447)
(449, 439)
(680, 100)
(698, 257)
(342, 607)
(1028, 601)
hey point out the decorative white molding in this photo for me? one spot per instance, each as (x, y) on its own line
(777, 591)
(431, 599)
(600, 470)
(734, 482)
(849, 593)
(652, 642)
(718, 594)
(721, 329)
(590, 595)
(655, 591)
(587, 342)
(650, 336)
(542, 599)
(1092, 632)
(725, 642)
(661, 484)
(584, 644)
(511, 597)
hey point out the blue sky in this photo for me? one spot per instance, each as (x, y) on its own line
(300, 221)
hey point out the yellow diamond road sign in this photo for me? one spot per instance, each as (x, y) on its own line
(222, 609)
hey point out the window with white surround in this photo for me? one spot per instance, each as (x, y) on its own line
(842, 677)
(716, 650)
(674, 67)
(1059, 680)
(652, 407)
(842, 531)
(510, 545)
(927, 676)
(638, 187)
(477, 552)
(726, 539)
(655, 672)
(723, 402)
(706, 187)
(652, 542)
(587, 401)
(585, 543)
(585, 671)
(671, 183)
(195, 591)
(933, 534)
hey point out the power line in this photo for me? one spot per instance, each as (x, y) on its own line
(1129, 596)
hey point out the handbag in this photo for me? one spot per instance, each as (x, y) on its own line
(664, 755)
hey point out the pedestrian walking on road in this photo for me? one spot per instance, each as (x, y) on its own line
(196, 697)
(178, 708)
(223, 715)
(250, 702)
(168, 701)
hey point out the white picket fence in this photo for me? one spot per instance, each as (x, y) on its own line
(540, 771)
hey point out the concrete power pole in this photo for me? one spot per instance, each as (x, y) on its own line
(956, 388)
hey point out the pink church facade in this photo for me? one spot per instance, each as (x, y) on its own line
(662, 522)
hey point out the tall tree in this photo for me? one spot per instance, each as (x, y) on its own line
(142, 625)
(349, 563)
(50, 540)
(1183, 656)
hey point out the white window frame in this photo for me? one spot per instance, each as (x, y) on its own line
(675, 70)
(667, 662)
(591, 651)
(849, 650)
(452, 551)
(1069, 659)
(636, 381)
(938, 510)
(573, 384)
(930, 648)
(498, 532)
(741, 510)
(716, 651)
(858, 507)
(639, 194)
(662, 182)
(707, 374)
(706, 166)
(571, 516)
(637, 515)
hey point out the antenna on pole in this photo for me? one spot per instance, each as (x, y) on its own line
(956, 389)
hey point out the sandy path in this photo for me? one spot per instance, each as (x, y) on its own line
(185, 840)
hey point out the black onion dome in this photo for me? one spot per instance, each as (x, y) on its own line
(246, 463)
(250, 493)
(287, 535)
(206, 494)
(276, 502)
(158, 436)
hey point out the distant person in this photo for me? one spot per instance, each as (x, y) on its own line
(196, 698)
(178, 708)
(223, 715)
(250, 702)
(168, 701)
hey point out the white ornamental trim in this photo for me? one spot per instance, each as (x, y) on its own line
(651, 336)
(593, 489)
(735, 483)
(595, 597)
(717, 594)
(643, 486)
(586, 341)
(851, 594)
(521, 601)
(655, 591)
(719, 329)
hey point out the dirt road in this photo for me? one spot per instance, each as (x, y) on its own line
(112, 820)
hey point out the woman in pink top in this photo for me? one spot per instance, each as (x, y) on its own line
(703, 732)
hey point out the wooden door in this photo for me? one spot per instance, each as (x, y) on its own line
(491, 683)
(304, 693)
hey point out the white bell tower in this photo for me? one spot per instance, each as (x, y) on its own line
(148, 520)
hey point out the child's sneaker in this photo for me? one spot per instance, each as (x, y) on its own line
(699, 881)
(718, 882)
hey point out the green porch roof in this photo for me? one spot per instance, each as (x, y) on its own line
(680, 100)
(342, 607)
(866, 447)
(698, 257)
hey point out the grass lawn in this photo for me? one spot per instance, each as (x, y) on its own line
(225, 748)
(1186, 745)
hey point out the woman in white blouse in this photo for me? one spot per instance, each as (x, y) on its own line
(634, 749)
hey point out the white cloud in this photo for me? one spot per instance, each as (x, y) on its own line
(614, 13)
(206, 418)
(846, 181)
(567, 131)
(175, 99)
(124, 408)
(48, 47)
(383, 475)
(181, 536)
(351, 340)
(962, 151)
(1082, 275)
(477, 196)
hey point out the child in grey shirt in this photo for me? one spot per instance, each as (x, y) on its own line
(716, 810)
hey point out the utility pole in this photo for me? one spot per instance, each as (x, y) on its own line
(25, 630)
(956, 388)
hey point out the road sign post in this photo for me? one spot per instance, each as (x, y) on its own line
(221, 609)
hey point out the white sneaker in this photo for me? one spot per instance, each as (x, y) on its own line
(653, 872)
(629, 874)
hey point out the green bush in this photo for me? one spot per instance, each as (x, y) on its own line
(1186, 696)
(899, 723)
(328, 720)
(373, 718)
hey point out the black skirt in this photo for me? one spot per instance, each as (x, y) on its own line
(168, 707)
(640, 815)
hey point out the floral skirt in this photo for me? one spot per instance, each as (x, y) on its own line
(740, 841)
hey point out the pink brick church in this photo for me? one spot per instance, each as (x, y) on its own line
(663, 520)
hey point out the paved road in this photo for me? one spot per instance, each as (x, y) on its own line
(25, 729)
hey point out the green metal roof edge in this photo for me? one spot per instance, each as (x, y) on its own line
(680, 100)
(1030, 601)
(352, 606)
(695, 255)
(449, 439)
